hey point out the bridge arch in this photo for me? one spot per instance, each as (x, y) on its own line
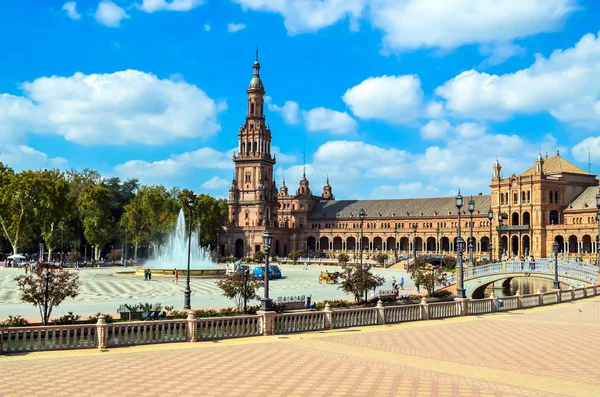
(479, 292)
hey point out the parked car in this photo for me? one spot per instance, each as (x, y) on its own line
(274, 272)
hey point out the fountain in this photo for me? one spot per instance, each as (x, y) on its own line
(174, 256)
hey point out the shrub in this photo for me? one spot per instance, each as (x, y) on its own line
(252, 309)
(94, 319)
(442, 294)
(16, 321)
(178, 314)
(337, 303)
(68, 318)
(279, 307)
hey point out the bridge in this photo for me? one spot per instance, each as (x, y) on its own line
(570, 272)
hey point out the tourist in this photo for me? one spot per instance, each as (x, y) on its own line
(145, 274)
(149, 275)
(402, 282)
(305, 266)
(176, 276)
(393, 282)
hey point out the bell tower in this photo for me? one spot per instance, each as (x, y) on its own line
(255, 199)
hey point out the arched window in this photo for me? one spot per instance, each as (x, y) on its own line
(252, 108)
(556, 197)
(550, 197)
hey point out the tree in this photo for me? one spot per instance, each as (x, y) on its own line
(426, 275)
(343, 259)
(259, 257)
(381, 258)
(357, 280)
(62, 284)
(234, 287)
(94, 207)
(18, 193)
(295, 255)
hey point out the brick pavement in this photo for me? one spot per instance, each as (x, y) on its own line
(546, 351)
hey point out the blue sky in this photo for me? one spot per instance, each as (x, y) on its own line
(390, 98)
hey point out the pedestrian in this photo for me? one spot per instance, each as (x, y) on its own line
(149, 275)
(305, 266)
(393, 282)
(145, 274)
(176, 276)
(402, 282)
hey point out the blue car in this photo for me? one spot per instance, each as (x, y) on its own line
(274, 272)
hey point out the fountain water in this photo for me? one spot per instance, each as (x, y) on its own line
(174, 254)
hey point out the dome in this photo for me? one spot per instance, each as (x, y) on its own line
(256, 83)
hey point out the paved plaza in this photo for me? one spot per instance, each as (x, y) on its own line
(105, 289)
(546, 351)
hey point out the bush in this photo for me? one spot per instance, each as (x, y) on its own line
(16, 321)
(68, 318)
(441, 294)
(94, 319)
(337, 303)
(178, 314)
(279, 307)
(252, 309)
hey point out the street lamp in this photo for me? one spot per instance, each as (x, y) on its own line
(246, 274)
(361, 215)
(265, 302)
(47, 277)
(471, 209)
(598, 216)
(460, 247)
(491, 218)
(500, 220)
(437, 239)
(555, 248)
(188, 292)
(396, 242)
(415, 243)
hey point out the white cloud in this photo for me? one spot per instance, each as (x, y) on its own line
(151, 6)
(322, 119)
(435, 129)
(567, 85)
(587, 149)
(235, 27)
(301, 16)
(282, 157)
(21, 157)
(415, 24)
(215, 183)
(71, 8)
(405, 190)
(499, 52)
(111, 109)
(290, 111)
(397, 99)
(207, 27)
(434, 110)
(109, 14)
(176, 165)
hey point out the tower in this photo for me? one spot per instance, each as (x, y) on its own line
(327, 192)
(497, 169)
(539, 165)
(254, 191)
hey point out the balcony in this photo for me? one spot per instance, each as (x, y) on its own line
(512, 228)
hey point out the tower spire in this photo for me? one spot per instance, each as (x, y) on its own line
(257, 53)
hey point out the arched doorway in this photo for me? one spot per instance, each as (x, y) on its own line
(430, 244)
(311, 243)
(587, 244)
(514, 245)
(324, 243)
(365, 243)
(391, 243)
(526, 247)
(404, 244)
(351, 243)
(445, 244)
(553, 218)
(515, 218)
(337, 243)
(561, 243)
(377, 244)
(526, 218)
(239, 248)
(485, 244)
(573, 244)
(419, 244)
(504, 245)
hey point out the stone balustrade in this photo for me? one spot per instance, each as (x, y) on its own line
(192, 329)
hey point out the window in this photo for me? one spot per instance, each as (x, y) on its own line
(556, 197)
(550, 197)
(529, 196)
(252, 108)
(515, 198)
(247, 177)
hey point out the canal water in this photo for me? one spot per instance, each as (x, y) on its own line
(526, 285)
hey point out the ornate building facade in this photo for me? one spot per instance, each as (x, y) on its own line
(553, 200)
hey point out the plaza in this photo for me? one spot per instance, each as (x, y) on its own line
(103, 290)
(544, 351)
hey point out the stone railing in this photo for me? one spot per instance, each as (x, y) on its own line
(192, 329)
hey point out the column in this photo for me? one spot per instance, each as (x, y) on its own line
(384, 248)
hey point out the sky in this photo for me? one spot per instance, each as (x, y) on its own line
(387, 98)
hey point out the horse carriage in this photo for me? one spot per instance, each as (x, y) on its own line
(329, 278)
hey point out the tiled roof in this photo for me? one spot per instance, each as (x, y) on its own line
(586, 200)
(557, 164)
(439, 206)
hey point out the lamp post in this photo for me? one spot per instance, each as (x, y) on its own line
(491, 218)
(500, 220)
(361, 215)
(437, 240)
(47, 277)
(246, 271)
(598, 239)
(396, 243)
(188, 292)
(265, 302)
(460, 247)
(555, 248)
(415, 243)
(471, 209)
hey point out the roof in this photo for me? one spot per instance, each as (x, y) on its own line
(438, 206)
(586, 200)
(557, 164)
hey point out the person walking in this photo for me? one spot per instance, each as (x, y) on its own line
(402, 283)
(393, 282)
(149, 275)
(305, 266)
(145, 274)
(175, 276)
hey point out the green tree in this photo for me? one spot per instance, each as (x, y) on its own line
(62, 284)
(357, 280)
(295, 255)
(259, 257)
(343, 259)
(94, 207)
(381, 258)
(234, 288)
(426, 275)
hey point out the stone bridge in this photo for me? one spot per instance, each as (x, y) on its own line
(572, 273)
